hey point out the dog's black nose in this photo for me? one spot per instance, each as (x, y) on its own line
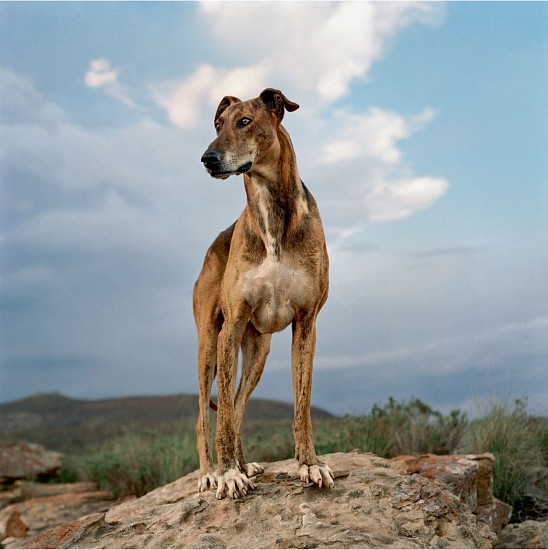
(211, 158)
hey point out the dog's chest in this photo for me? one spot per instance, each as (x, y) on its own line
(275, 291)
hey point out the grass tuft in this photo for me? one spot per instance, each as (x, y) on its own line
(137, 462)
(519, 443)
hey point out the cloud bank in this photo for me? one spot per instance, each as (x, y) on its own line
(105, 228)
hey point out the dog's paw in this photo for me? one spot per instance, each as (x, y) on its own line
(233, 484)
(207, 481)
(251, 469)
(322, 476)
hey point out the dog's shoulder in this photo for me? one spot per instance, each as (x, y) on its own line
(220, 247)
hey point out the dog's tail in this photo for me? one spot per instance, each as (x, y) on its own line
(212, 404)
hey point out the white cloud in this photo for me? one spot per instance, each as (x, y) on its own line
(373, 134)
(315, 52)
(101, 75)
(393, 200)
(361, 151)
(316, 47)
(311, 50)
(185, 100)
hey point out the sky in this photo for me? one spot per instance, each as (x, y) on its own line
(422, 133)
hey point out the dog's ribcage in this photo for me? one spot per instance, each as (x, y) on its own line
(275, 291)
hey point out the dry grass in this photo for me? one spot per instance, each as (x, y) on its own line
(519, 443)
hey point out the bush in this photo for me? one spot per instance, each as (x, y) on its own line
(268, 441)
(518, 442)
(392, 430)
(138, 462)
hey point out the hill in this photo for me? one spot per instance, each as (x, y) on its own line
(63, 423)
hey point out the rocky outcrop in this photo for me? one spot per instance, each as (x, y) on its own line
(27, 461)
(38, 506)
(28, 507)
(371, 506)
(470, 477)
(529, 534)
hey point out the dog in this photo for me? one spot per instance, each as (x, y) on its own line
(268, 270)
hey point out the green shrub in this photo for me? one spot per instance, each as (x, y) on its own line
(518, 442)
(392, 430)
(138, 462)
(268, 441)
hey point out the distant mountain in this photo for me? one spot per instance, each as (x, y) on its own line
(54, 411)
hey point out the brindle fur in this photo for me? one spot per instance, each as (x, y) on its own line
(266, 271)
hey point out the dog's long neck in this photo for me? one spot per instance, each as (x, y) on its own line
(278, 201)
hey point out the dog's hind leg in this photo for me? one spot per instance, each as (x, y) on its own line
(255, 348)
(209, 320)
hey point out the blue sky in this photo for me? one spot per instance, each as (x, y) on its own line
(422, 133)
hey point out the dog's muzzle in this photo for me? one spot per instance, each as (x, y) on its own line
(213, 162)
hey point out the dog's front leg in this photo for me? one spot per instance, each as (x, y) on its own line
(231, 481)
(207, 359)
(302, 357)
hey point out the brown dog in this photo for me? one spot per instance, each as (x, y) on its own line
(265, 272)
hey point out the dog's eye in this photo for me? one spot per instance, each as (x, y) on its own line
(217, 126)
(245, 121)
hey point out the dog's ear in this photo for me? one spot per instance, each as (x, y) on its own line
(225, 102)
(274, 100)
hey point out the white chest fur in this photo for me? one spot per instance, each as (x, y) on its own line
(275, 290)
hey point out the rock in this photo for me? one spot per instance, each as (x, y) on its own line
(11, 525)
(46, 512)
(27, 460)
(371, 506)
(13, 494)
(470, 477)
(497, 515)
(24, 490)
(529, 534)
(69, 531)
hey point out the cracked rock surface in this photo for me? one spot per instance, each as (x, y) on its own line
(371, 506)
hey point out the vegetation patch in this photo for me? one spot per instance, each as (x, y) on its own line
(133, 459)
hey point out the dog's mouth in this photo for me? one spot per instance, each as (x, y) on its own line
(219, 175)
(223, 175)
(244, 168)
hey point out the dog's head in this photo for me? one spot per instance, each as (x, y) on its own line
(246, 133)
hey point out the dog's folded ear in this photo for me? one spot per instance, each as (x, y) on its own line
(225, 102)
(276, 101)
